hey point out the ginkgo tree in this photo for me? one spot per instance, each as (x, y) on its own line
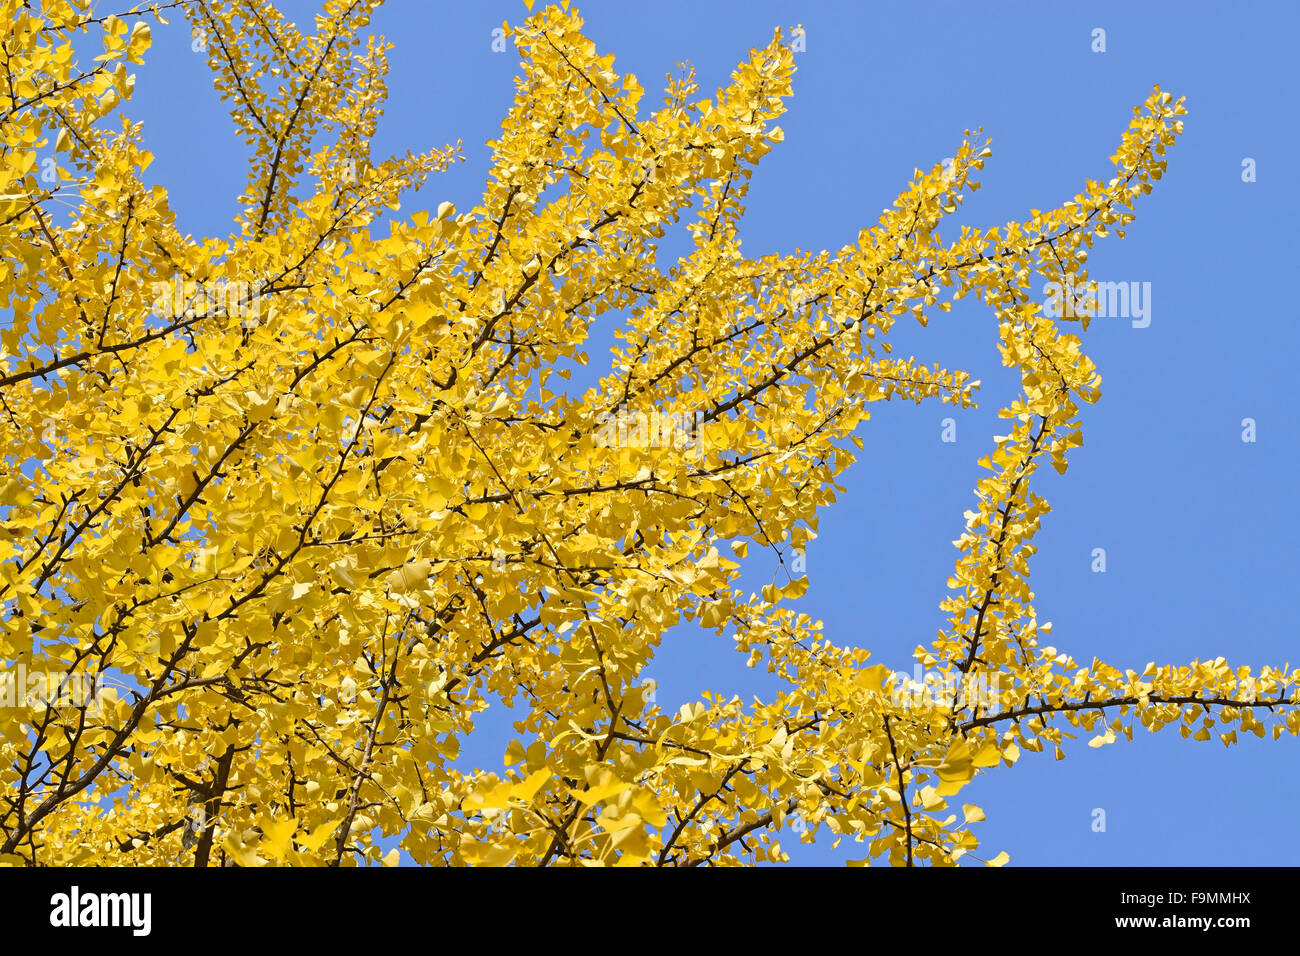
(294, 505)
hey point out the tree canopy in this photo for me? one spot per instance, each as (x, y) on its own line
(300, 503)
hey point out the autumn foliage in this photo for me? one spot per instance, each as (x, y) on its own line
(301, 503)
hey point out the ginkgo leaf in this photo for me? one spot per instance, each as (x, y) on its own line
(313, 841)
(528, 788)
(277, 837)
(599, 793)
(411, 576)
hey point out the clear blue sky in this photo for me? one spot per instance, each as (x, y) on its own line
(1200, 529)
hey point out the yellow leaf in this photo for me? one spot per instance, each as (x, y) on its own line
(486, 854)
(527, 789)
(514, 753)
(245, 854)
(598, 793)
(320, 833)
(410, 577)
(277, 836)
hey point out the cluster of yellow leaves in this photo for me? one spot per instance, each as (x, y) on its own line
(310, 534)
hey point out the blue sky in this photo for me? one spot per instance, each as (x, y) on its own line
(1199, 527)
